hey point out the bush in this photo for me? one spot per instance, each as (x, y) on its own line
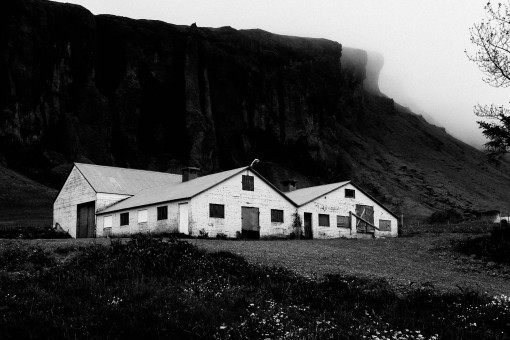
(221, 236)
(445, 216)
(32, 232)
(203, 234)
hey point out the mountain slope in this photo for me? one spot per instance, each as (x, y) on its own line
(152, 95)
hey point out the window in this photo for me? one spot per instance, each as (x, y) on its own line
(162, 213)
(124, 219)
(323, 220)
(142, 216)
(107, 222)
(217, 210)
(342, 221)
(247, 182)
(350, 193)
(276, 215)
(384, 225)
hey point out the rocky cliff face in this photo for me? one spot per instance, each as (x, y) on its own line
(146, 94)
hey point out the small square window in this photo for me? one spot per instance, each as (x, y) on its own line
(217, 210)
(142, 216)
(124, 218)
(276, 215)
(107, 222)
(350, 193)
(248, 183)
(162, 213)
(342, 221)
(323, 220)
(384, 225)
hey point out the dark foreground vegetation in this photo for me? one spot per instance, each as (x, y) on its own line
(150, 288)
(494, 247)
(21, 231)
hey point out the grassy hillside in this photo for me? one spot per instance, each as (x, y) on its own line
(24, 201)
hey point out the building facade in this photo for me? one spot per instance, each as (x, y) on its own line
(100, 201)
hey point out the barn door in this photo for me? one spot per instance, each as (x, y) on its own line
(86, 220)
(183, 218)
(250, 222)
(367, 213)
(308, 225)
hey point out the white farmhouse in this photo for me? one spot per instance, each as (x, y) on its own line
(233, 202)
(99, 201)
(341, 210)
(90, 188)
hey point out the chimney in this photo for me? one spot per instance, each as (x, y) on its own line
(289, 185)
(189, 173)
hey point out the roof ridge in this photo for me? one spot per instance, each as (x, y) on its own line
(117, 167)
(321, 185)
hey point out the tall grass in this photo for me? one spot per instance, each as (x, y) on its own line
(149, 288)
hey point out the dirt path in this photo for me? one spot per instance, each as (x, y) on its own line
(402, 261)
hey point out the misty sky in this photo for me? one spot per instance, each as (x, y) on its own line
(423, 43)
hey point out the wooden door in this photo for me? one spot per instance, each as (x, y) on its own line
(183, 218)
(250, 222)
(86, 220)
(367, 213)
(308, 225)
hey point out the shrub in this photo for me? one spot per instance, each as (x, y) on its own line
(297, 230)
(221, 236)
(203, 234)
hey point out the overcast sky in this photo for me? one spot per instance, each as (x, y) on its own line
(422, 41)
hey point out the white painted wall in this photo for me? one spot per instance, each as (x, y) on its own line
(76, 190)
(335, 203)
(230, 194)
(170, 225)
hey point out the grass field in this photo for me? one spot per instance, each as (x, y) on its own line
(152, 288)
(402, 261)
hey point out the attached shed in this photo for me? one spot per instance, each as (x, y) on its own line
(234, 202)
(342, 210)
(90, 188)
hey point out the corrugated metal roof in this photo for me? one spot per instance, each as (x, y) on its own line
(112, 180)
(173, 192)
(305, 195)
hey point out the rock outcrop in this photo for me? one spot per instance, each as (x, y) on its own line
(147, 94)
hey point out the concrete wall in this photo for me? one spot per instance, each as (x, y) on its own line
(76, 190)
(169, 225)
(335, 203)
(230, 194)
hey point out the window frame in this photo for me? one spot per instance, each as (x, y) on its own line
(162, 210)
(248, 183)
(350, 191)
(211, 205)
(348, 224)
(276, 214)
(324, 215)
(108, 218)
(389, 225)
(121, 217)
(146, 215)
